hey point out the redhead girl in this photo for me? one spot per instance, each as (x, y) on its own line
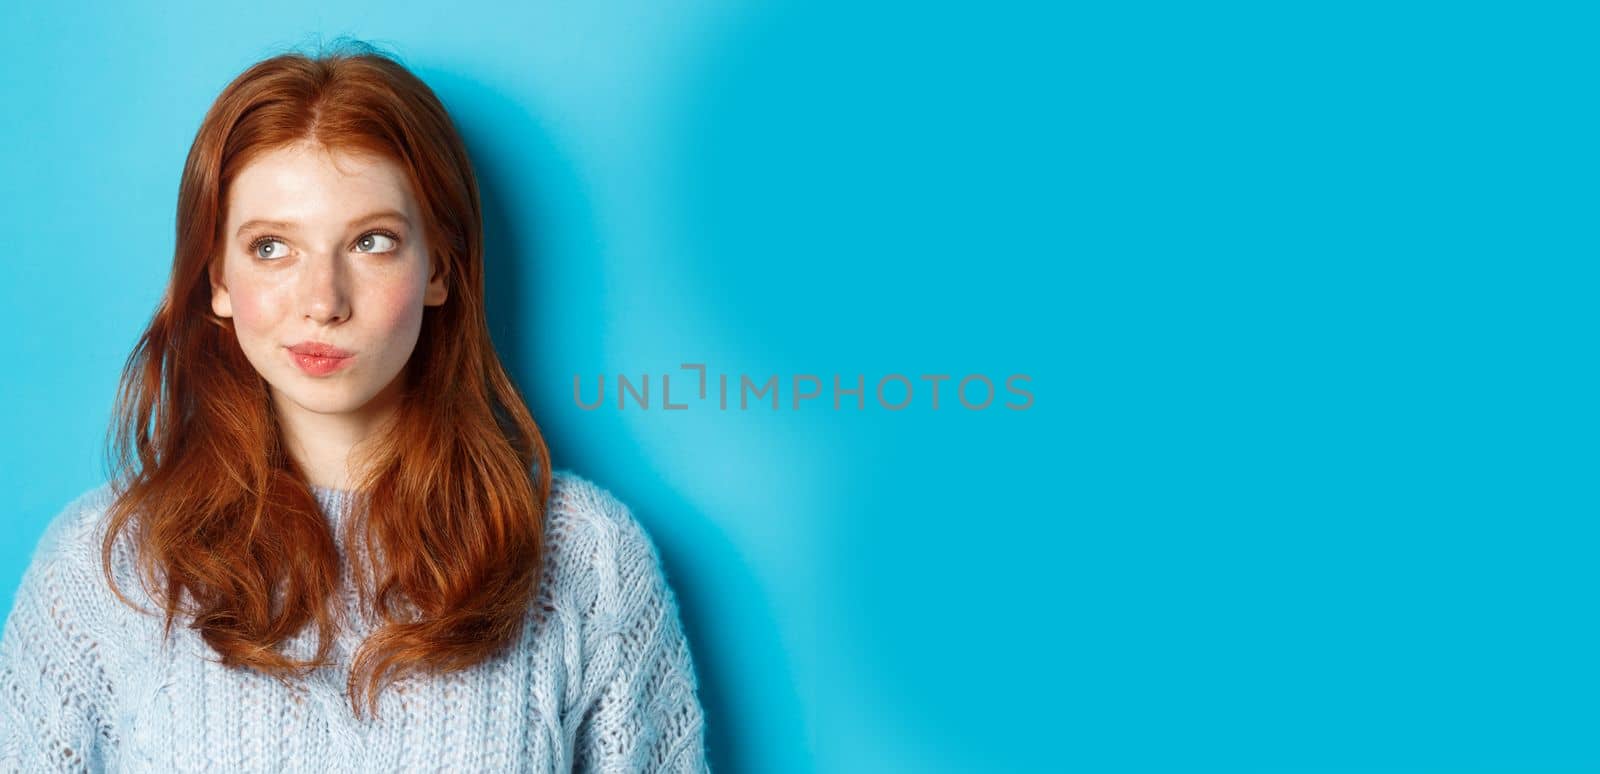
(334, 540)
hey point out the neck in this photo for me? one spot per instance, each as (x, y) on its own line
(324, 445)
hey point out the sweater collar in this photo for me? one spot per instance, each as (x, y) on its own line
(335, 503)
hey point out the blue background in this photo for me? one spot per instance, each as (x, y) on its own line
(1306, 296)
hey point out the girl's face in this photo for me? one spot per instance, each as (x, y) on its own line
(328, 249)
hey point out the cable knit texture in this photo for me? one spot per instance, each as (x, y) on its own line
(601, 679)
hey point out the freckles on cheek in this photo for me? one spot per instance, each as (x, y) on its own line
(252, 311)
(401, 305)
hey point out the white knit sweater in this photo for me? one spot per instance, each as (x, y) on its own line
(602, 681)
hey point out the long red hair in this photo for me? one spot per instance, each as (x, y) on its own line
(454, 488)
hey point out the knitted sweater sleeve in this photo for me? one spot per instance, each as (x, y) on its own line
(648, 716)
(54, 692)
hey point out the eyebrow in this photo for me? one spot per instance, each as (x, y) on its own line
(286, 225)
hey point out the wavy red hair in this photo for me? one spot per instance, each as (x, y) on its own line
(223, 521)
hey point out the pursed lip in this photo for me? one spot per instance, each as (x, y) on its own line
(319, 349)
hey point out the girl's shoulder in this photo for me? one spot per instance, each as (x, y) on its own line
(596, 541)
(77, 527)
(63, 587)
(580, 502)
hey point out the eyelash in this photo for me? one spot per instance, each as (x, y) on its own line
(261, 240)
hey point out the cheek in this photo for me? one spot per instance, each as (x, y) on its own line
(399, 305)
(255, 310)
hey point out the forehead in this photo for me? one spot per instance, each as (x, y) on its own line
(311, 184)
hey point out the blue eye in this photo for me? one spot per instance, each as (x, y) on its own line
(256, 245)
(370, 238)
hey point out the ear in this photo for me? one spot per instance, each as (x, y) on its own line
(437, 291)
(221, 302)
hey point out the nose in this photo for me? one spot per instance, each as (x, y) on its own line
(324, 288)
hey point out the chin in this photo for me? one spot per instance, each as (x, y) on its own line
(332, 407)
(332, 400)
